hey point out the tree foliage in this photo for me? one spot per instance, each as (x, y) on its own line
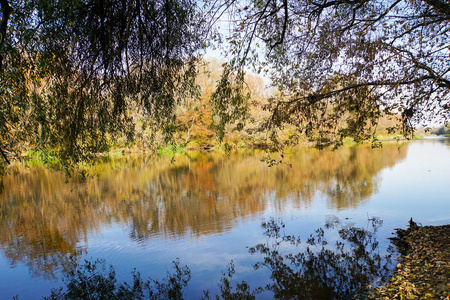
(73, 73)
(340, 64)
(71, 70)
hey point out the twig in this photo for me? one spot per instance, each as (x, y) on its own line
(367, 286)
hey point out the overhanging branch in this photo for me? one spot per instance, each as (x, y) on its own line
(316, 97)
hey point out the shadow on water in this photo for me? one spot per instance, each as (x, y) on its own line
(337, 261)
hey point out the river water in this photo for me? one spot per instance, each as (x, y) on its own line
(207, 209)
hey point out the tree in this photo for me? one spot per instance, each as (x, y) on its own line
(341, 64)
(70, 70)
(195, 116)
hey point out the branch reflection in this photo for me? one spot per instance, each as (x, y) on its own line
(318, 269)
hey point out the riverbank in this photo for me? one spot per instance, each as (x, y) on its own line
(423, 271)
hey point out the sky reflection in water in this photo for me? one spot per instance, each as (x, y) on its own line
(206, 209)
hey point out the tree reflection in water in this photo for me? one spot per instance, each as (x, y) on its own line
(96, 281)
(311, 269)
(45, 222)
(317, 269)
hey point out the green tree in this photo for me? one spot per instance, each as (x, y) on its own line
(340, 64)
(71, 70)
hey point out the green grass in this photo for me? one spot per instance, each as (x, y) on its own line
(116, 153)
(41, 158)
(170, 150)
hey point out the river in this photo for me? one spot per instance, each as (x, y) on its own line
(207, 209)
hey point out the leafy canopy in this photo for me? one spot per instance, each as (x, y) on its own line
(73, 70)
(341, 64)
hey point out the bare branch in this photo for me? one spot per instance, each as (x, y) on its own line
(313, 98)
(285, 22)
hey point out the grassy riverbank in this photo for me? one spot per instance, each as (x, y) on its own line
(423, 271)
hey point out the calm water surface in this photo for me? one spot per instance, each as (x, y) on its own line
(206, 209)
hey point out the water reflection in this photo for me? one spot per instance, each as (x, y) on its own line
(315, 269)
(319, 269)
(45, 220)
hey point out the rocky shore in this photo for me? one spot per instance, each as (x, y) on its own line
(423, 271)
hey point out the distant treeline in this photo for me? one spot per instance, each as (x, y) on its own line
(443, 130)
(195, 124)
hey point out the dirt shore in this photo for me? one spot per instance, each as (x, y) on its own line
(423, 271)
